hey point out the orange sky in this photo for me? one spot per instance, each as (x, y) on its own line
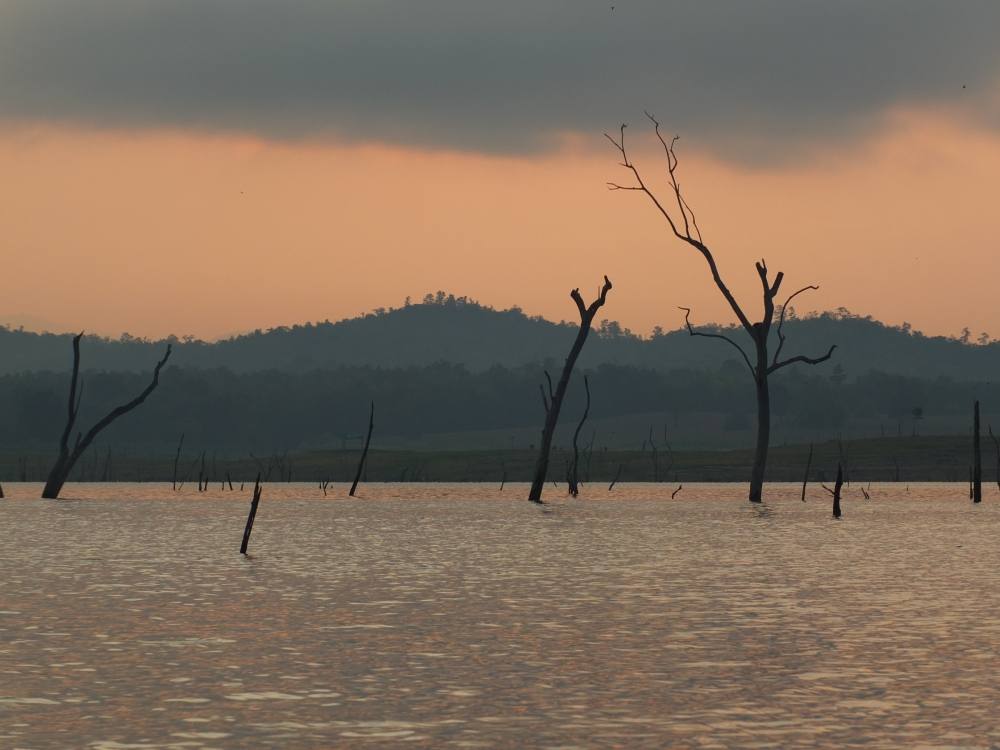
(159, 232)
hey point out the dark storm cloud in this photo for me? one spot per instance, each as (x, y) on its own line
(499, 75)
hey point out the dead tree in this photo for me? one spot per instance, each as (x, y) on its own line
(617, 477)
(574, 475)
(177, 458)
(553, 403)
(68, 456)
(364, 453)
(252, 515)
(805, 478)
(837, 488)
(761, 365)
(202, 476)
(977, 458)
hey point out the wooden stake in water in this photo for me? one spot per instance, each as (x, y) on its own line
(805, 479)
(977, 458)
(253, 514)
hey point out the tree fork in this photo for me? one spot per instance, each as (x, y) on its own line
(68, 457)
(553, 403)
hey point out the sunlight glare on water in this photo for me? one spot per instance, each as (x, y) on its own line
(430, 615)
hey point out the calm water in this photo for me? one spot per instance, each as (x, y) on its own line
(435, 616)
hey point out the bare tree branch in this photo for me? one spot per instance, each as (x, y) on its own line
(781, 320)
(686, 236)
(74, 401)
(687, 322)
(803, 359)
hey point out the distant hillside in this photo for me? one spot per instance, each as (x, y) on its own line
(456, 330)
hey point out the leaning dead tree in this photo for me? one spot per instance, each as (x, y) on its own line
(364, 453)
(254, 502)
(68, 456)
(553, 401)
(760, 363)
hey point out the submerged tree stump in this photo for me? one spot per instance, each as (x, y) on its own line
(250, 518)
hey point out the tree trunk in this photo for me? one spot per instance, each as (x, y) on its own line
(977, 459)
(552, 419)
(555, 399)
(57, 477)
(763, 437)
(837, 487)
(251, 516)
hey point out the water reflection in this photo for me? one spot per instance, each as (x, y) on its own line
(460, 616)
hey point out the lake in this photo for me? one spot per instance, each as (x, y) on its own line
(437, 616)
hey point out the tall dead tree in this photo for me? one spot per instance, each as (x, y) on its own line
(553, 402)
(761, 364)
(68, 456)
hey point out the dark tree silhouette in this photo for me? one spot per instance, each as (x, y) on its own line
(254, 502)
(364, 453)
(68, 457)
(553, 402)
(574, 474)
(837, 487)
(684, 226)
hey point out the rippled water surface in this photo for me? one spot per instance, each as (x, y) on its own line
(458, 616)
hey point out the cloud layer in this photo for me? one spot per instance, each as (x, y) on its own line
(748, 78)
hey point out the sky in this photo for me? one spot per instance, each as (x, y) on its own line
(209, 167)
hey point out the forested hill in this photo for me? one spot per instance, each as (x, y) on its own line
(457, 330)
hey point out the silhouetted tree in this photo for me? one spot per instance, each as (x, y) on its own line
(68, 457)
(574, 474)
(553, 403)
(254, 502)
(684, 225)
